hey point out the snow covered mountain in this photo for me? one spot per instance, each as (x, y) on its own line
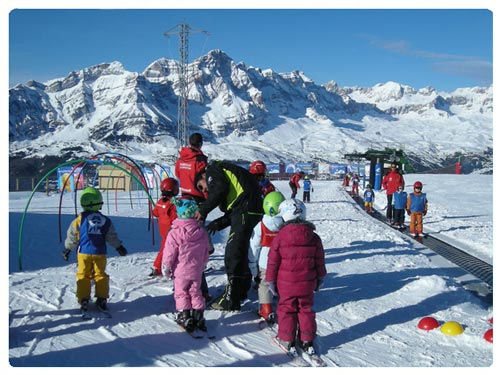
(244, 113)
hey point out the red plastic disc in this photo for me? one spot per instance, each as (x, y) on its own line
(428, 323)
(488, 335)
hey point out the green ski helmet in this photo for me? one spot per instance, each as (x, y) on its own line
(272, 202)
(91, 199)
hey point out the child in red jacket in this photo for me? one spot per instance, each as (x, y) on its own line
(166, 213)
(295, 270)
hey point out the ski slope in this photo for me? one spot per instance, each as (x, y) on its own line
(380, 283)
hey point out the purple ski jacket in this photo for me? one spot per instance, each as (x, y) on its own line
(296, 259)
(186, 249)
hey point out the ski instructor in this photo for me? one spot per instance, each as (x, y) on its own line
(392, 180)
(236, 192)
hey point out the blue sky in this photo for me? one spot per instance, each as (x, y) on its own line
(446, 49)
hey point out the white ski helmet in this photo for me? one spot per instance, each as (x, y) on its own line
(291, 209)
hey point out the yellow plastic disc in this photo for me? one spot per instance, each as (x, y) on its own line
(452, 328)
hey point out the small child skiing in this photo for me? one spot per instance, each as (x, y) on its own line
(260, 242)
(416, 207)
(184, 258)
(295, 271)
(400, 198)
(307, 188)
(165, 211)
(355, 185)
(89, 233)
(369, 198)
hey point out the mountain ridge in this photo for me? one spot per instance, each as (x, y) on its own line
(266, 115)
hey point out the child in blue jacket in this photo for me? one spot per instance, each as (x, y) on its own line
(399, 199)
(307, 190)
(416, 207)
(369, 198)
(89, 233)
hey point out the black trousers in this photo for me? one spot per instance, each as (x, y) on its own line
(399, 216)
(306, 196)
(236, 255)
(390, 208)
(294, 189)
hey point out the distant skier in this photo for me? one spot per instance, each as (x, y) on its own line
(294, 183)
(260, 242)
(347, 179)
(400, 198)
(416, 207)
(295, 271)
(184, 258)
(89, 233)
(165, 211)
(369, 198)
(306, 195)
(259, 169)
(355, 185)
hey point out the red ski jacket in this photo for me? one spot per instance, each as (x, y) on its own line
(296, 259)
(166, 214)
(191, 161)
(392, 181)
(295, 179)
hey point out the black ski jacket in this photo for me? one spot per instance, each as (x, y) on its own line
(232, 188)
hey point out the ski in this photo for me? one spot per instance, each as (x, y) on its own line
(104, 312)
(295, 359)
(196, 333)
(313, 359)
(85, 314)
(292, 353)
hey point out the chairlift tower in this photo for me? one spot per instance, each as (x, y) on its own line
(182, 107)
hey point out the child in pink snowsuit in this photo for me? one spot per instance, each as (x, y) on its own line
(184, 258)
(295, 270)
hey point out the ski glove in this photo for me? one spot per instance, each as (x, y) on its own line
(166, 271)
(121, 250)
(319, 284)
(65, 254)
(257, 281)
(272, 288)
(218, 224)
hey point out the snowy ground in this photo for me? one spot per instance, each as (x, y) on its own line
(380, 283)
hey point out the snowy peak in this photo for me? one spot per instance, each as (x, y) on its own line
(86, 75)
(106, 107)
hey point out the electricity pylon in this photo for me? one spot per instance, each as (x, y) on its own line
(182, 108)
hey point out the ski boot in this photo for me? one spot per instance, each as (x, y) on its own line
(101, 304)
(307, 347)
(154, 272)
(199, 320)
(84, 305)
(266, 313)
(185, 320)
(227, 300)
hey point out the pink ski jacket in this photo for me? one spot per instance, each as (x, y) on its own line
(296, 259)
(186, 249)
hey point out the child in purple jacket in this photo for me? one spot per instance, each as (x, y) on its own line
(184, 258)
(295, 270)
